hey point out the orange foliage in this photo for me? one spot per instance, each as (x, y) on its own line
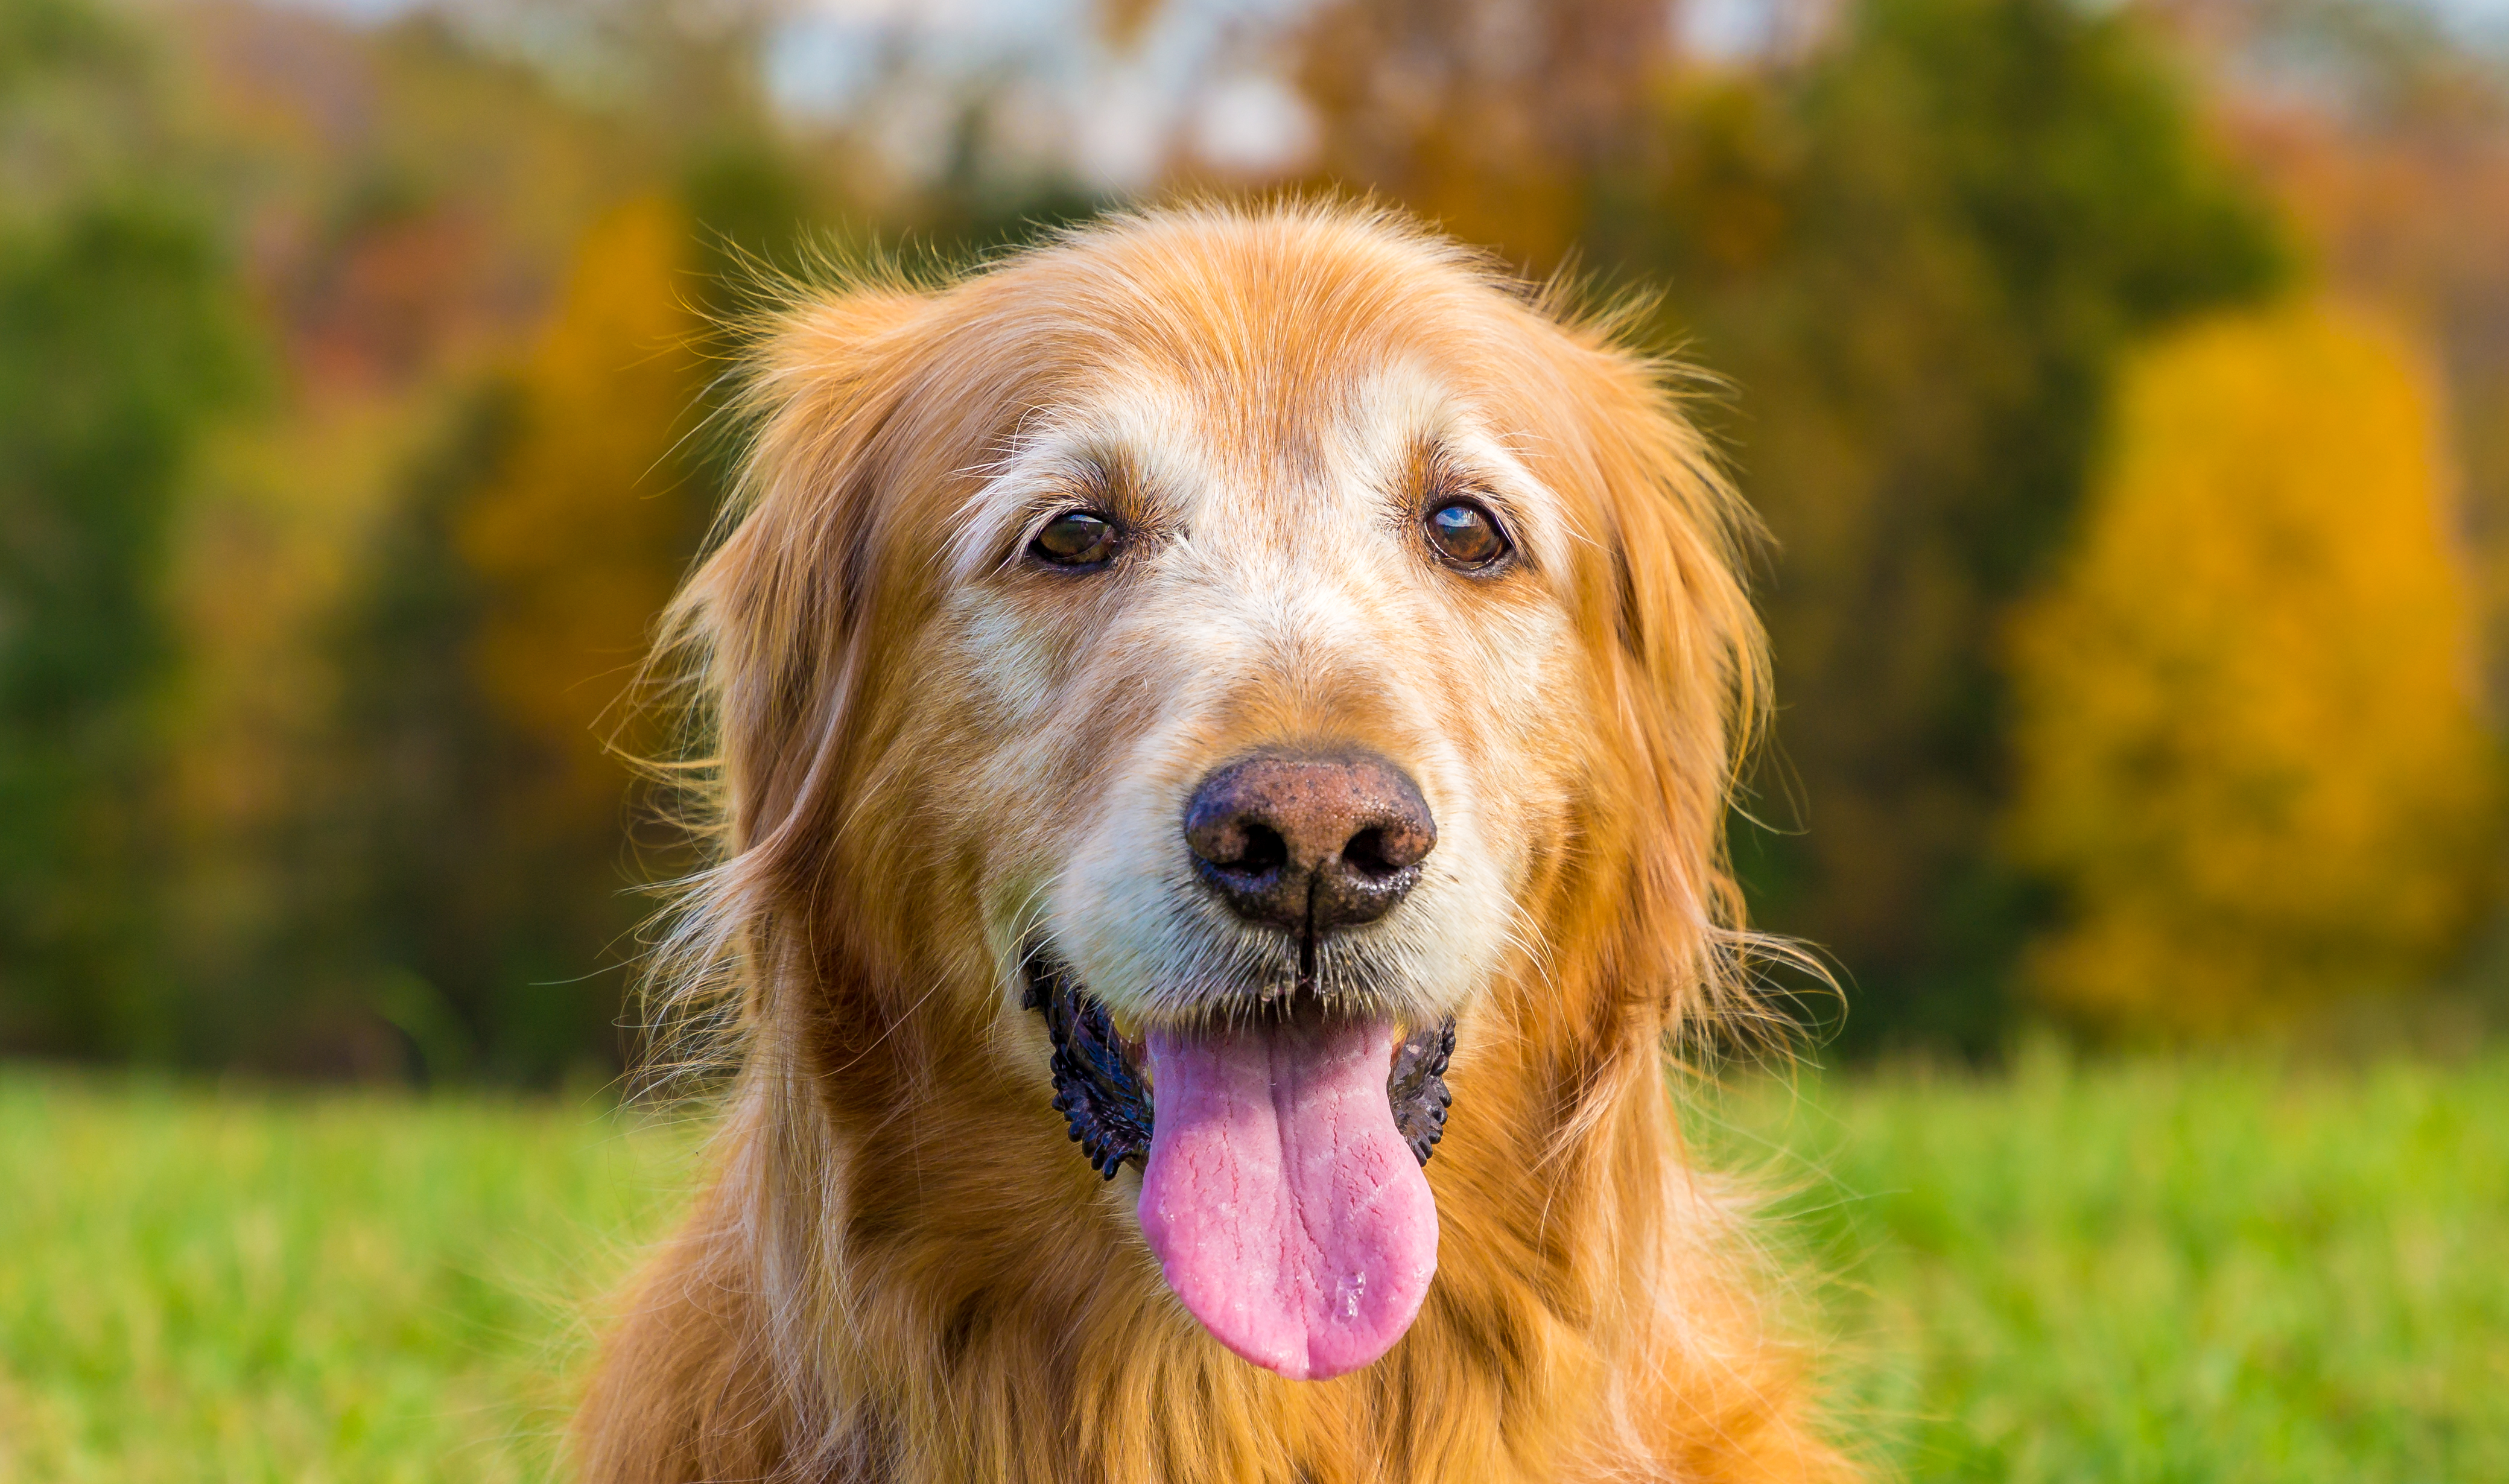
(583, 532)
(2247, 741)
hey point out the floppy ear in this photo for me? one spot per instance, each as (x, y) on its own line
(1693, 663)
(769, 618)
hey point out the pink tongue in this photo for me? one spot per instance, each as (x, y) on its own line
(1284, 1210)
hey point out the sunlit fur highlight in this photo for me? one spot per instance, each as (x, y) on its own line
(900, 1271)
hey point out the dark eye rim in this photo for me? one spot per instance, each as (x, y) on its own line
(1503, 558)
(1116, 534)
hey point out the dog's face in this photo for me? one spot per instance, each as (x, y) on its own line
(1202, 665)
(1275, 700)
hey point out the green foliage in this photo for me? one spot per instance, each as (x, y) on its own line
(485, 913)
(1917, 260)
(121, 335)
(425, 914)
(39, 36)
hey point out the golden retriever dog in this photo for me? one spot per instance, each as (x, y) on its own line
(1250, 693)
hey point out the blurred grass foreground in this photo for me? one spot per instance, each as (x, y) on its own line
(303, 1286)
(2145, 1270)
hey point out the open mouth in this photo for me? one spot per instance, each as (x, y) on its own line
(1281, 1159)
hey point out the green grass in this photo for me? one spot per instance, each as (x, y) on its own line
(2156, 1271)
(2138, 1270)
(239, 1287)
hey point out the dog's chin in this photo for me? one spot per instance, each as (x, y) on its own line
(1281, 1142)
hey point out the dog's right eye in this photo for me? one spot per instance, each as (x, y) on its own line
(1076, 538)
(1466, 535)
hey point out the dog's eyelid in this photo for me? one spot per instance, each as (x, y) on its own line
(1125, 525)
(1048, 512)
(1106, 485)
(1500, 508)
(1444, 476)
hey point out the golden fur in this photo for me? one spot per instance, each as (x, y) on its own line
(901, 1270)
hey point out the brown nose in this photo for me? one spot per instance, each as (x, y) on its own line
(1309, 844)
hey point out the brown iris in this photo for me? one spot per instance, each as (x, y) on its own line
(1466, 535)
(1076, 538)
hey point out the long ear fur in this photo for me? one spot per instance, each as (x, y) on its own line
(1689, 670)
(774, 607)
(1695, 645)
(763, 643)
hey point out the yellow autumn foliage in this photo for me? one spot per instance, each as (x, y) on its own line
(2247, 741)
(584, 527)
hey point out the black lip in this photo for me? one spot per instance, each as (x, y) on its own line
(1097, 1082)
(1099, 1092)
(1417, 1087)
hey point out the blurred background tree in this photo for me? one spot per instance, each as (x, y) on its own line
(121, 337)
(520, 585)
(1965, 212)
(356, 363)
(2249, 749)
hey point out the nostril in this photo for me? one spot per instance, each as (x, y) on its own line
(1365, 855)
(1262, 852)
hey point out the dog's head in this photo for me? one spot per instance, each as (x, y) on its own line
(1185, 679)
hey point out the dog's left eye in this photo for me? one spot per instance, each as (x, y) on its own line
(1466, 535)
(1076, 538)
